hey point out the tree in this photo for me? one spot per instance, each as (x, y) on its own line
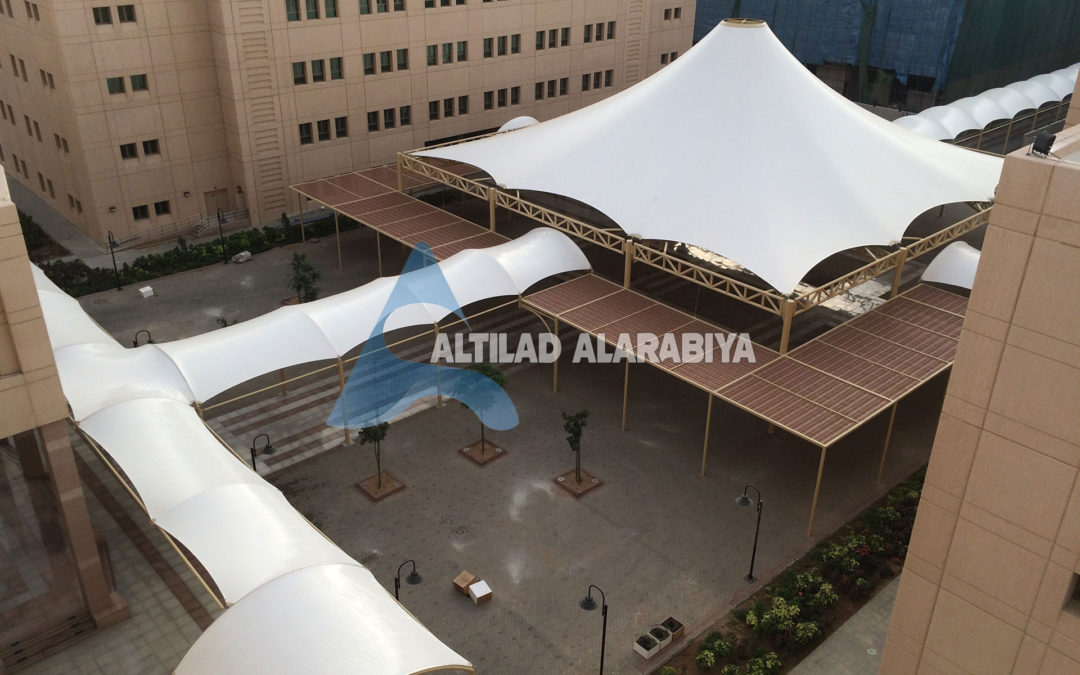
(483, 399)
(375, 435)
(304, 276)
(574, 425)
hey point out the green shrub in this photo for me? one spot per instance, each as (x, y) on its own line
(806, 632)
(863, 586)
(705, 659)
(823, 598)
(668, 670)
(780, 617)
(766, 664)
(729, 669)
(718, 644)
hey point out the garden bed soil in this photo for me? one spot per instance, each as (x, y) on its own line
(490, 452)
(390, 485)
(568, 482)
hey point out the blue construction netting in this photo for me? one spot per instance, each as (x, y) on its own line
(910, 37)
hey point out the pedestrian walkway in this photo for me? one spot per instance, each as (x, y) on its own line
(62, 230)
(855, 648)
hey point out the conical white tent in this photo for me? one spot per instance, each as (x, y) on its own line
(739, 149)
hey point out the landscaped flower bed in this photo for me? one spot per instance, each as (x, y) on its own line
(780, 624)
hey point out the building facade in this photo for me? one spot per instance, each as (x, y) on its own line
(990, 584)
(141, 119)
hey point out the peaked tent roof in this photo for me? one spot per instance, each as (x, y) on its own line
(736, 147)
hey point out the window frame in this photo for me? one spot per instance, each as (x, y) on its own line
(128, 10)
(306, 132)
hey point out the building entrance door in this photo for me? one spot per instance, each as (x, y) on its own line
(217, 199)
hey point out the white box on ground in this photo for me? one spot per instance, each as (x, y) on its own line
(146, 292)
(480, 592)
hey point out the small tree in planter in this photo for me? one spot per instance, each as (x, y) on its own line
(574, 425)
(304, 276)
(375, 435)
(485, 398)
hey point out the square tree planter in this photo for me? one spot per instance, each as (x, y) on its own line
(673, 626)
(647, 646)
(661, 635)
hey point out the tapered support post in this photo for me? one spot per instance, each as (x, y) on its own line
(303, 203)
(705, 445)
(628, 262)
(898, 274)
(400, 175)
(817, 490)
(378, 250)
(491, 208)
(625, 392)
(787, 313)
(555, 365)
(284, 385)
(885, 449)
(341, 391)
(337, 236)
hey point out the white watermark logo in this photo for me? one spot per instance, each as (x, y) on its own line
(635, 348)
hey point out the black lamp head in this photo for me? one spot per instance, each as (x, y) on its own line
(742, 500)
(588, 603)
(1044, 141)
(414, 578)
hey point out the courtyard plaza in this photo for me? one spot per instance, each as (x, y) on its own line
(659, 539)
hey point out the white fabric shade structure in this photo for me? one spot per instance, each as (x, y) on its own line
(954, 265)
(737, 148)
(317, 609)
(1002, 103)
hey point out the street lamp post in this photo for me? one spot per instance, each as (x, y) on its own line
(112, 252)
(413, 579)
(588, 603)
(744, 500)
(221, 236)
(265, 450)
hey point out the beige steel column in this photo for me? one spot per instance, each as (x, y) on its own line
(303, 203)
(625, 391)
(888, 437)
(628, 263)
(491, 207)
(284, 384)
(106, 607)
(705, 447)
(787, 313)
(341, 390)
(378, 250)
(898, 274)
(400, 175)
(555, 365)
(337, 236)
(817, 489)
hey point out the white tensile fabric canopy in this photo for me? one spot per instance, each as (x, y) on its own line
(319, 610)
(955, 265)
(737, 148)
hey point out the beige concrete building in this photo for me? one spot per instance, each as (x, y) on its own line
(990, 582)
(53, 586)
(143, 118)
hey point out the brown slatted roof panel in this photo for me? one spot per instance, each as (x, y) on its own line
(597, 314)
(358, 185)
(658, 320)
(855, 369)
(571, 294)
(385, 201)
(445, 234)
(713, 375)
(809, 420)
(382, 174)
(907, 361)
(935, 297)
(326, 192)
(924, 316)
(906, 334)
(830, 392)
(482, 240)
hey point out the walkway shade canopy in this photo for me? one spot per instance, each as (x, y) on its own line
(737, 148)
(955, 265)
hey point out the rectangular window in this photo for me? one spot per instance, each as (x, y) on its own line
(502, 45)
(663, 59)
(674, 55)
(365, 6)
(405, 115)
(128, 151)
(489, 46)
(312, 8)
(44, 80)
(463, 105)
(433, 110)
(448, 52)
(667, 14)
(71, 201)
(324, 129)
(599, 32)
(125, 13)
(305, 134)
(373, 121)
(428, 4)
(151, 147)
(565, 36)
(78, 206)
(553, 38)
(678, 12)
(386, 61)
(539, 40)
(433, 55)
(141, 212)
(585, 79)
(515, 43)
(551, 89)
(47, 180)
(381, 6)
(369, 63)
(515, 95)
(63, 142)
(596, 80)
(102, 15)
(292, 10)
(161, 208)
(138, 83)
(399, 5)
(463, 50)
(564, 85)
(388, 118)
(611, 30)
(56, 137)
(52, 85)
(588, 33)
(502, 98)
(37, 131)
(29, 129)
(489, 100)
(448, 107)
(41, 181)
(341, 127)
(609, 76)
(539, 94)
(336, 72)
(22, 67)
(115, 85)
(299, 73)
(331, 8)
